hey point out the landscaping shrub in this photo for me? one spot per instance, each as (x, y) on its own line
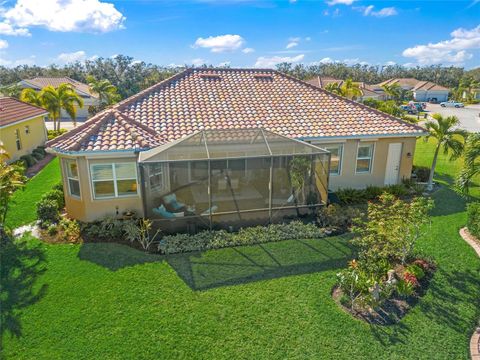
(473, 219)
(55, 195)
(336, 217)
(29, 160)
(357, 196)
(70, 230)
(247, 236)
(351, 196)
(58, 186)
(47, 212)
(38, 156)
(40, 149)
(39, 152)
(422, 173)
(52, 134)
(397, 190)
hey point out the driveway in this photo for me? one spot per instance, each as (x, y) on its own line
(468, 116)
(63, 124)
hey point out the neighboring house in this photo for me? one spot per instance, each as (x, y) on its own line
(421, 90)
(475, 94)
(22, 127)
(367, 91)
(215, 146)
(83, 90)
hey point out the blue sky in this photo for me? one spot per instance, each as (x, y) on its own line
(242, 33)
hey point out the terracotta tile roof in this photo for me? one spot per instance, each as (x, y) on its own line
(198, 99)
(429, 86)
(323, 81)
(111, 130)
(41, 82)
(13, 110)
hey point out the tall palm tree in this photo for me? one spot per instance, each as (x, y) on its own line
(107, 93)
(448, 136)
(471, 166)
(31, 96)
(334, 88)
(351, 89)
(64, 97)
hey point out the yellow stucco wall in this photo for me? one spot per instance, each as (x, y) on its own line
(349, 179)
(86, 208)
(36, 137)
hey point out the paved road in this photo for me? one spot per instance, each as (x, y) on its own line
(468, 116)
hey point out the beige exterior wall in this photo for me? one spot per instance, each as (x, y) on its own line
(85, 207)
(36, 136)
(348, 177)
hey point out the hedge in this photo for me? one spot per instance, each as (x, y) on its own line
(473, 219)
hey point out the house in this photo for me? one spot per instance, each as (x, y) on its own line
(219, 146)
(421, 90)
(83, 90)
(22, 127)
(367, 90)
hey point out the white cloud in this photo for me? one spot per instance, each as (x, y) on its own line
(340, 2)
(198, 62)
(369, 11)
(3, 44)
(220, 43)
(448, 51)
(334, 13)
(349, 62)
(248, 50)
(7, 29)
(224, 64)
(66, 58)
(26, 61)
(61, 15)
(291, 45)
(269, 62)
(390, 63)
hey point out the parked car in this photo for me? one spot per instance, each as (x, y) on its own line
(451, 103)
(417, 105)
(409, 109)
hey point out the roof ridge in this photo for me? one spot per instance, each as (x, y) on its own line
(134, 122)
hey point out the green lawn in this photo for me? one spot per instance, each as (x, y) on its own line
(23, 209)
(270, 301)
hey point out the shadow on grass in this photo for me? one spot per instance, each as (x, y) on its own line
(232, 266)
(20, 265)
(450, 289)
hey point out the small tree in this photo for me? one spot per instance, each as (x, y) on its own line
(140, 232)
(448, 136)
(392, 229)
(471, 166)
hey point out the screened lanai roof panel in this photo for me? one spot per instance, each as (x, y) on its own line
(225, 144)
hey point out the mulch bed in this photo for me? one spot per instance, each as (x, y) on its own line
(391, 310)
(35, 169)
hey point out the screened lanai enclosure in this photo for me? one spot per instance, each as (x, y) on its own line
(232, 178)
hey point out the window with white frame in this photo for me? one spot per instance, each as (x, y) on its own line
(336, 151)
(114, 180)
(157, 176)
(71, 170)
(364, 158)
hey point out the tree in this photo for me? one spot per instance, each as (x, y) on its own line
(471, 166)
(393, 91)
(62, 98)
(448, 137)
(351, 90)
(13, 90)
(107, 93)
(334, 88)
(31, 96)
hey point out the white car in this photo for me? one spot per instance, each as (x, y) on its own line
(451, 103)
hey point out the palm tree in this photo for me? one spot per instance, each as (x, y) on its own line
(394, 91)
(62, 98)
(334, 88)
(31, 96)
(471, 166)
(351, 89)
(107, 93)
(445, 131)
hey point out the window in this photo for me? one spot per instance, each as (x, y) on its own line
(27, 129)
(114, 180)
(72, 177)
(157, 179)
(17, 139)
(364, 158)
(336, 158)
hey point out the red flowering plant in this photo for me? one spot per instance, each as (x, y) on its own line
(410, 278)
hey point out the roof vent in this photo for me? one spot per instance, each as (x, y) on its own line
(263, 76)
